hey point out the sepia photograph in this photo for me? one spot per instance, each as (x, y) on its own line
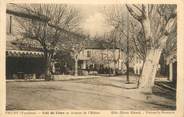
(91, 56)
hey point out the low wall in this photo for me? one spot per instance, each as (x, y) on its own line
(71, 77)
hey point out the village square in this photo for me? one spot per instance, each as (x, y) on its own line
(91, 57)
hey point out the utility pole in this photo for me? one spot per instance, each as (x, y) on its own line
(114, 52)
(127, 64)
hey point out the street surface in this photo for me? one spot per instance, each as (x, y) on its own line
(102, 93)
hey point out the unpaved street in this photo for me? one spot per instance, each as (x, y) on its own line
(96, 93)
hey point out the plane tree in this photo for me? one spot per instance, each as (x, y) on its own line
(151, 29)
(158, 23)
(118, 18)
(74, 44)
(51, 25)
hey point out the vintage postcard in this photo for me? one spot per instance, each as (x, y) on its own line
(92, 58)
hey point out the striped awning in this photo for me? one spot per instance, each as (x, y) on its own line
(20, 53)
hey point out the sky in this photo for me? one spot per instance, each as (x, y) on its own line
(94, 21)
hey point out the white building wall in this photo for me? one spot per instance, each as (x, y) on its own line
(103, 56)
(137, 65)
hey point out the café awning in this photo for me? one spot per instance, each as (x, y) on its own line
(21, 53)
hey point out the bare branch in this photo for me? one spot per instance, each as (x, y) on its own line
(134, 14)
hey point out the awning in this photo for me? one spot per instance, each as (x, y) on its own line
(20, 53)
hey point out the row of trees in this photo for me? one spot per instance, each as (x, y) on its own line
(147, 29)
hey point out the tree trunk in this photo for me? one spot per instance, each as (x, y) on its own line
(127, 74)
(47, 67)
(119, 58)
(76, 66)
(127, 64)
(114, 68)
(114, 58)
(146, 28)
(149, 70)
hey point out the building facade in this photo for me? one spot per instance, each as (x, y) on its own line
(96, 57)
(24, 59)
